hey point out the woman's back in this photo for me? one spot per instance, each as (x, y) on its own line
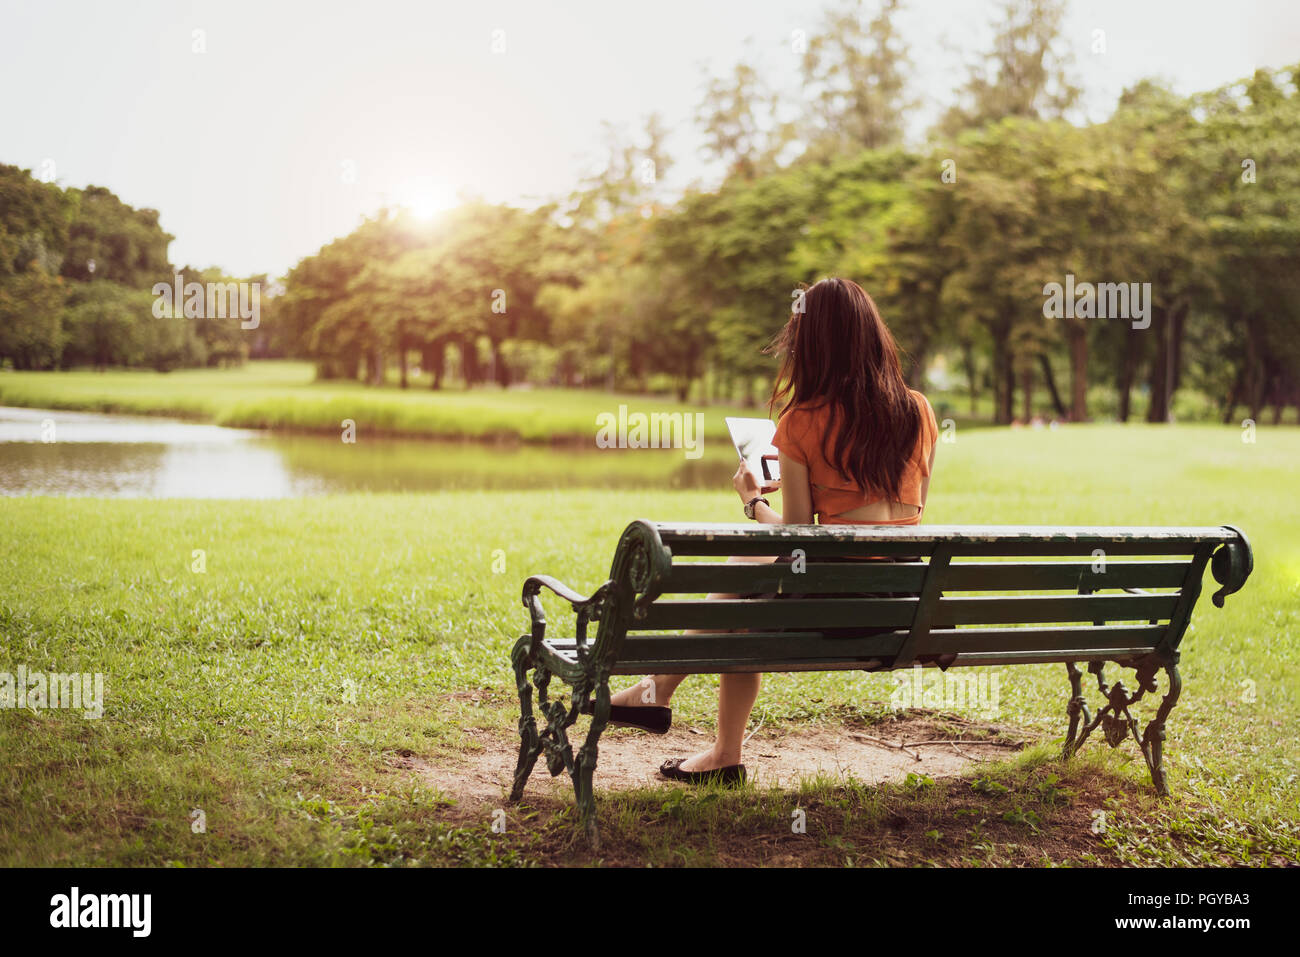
(807, 434)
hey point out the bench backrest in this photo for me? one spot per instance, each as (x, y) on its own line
(988, 594)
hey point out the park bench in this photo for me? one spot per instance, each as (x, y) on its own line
(971, 595)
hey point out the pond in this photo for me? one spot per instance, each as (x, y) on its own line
(50, 452)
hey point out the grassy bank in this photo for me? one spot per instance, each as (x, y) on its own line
(285, 395)
(328, 643)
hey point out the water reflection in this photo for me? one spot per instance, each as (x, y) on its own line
(131, 456)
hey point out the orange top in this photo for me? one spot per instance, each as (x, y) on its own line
(804, 435)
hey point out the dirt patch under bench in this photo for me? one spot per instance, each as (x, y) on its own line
(914, 742)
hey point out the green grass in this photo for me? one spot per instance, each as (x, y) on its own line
(229, 690)
(284, 395)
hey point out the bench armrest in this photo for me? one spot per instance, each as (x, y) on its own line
(587, 609)
(1231, 565)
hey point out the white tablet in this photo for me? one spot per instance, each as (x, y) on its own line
(753, 441)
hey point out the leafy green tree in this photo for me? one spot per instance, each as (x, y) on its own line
(1026, 74)
(740, 119)
(33, 223)
(856, 77)
(1248, 156)
(31, 327)
(110, 324)
(125, 245)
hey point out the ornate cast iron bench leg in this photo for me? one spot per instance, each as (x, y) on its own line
(1153, 738)
(586, 765)
(554, 739)
(1116, 717)
(530, 745)
(1077, 709)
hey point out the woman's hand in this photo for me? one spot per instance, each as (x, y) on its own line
(747, 486)
(745, 482)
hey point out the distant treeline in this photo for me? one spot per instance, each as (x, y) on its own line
(1193, 203)
(1036, 254)
(77, 267)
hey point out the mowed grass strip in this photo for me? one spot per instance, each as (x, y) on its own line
(284, 395)
(323, 637)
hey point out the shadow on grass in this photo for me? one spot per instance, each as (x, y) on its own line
(1029, 811)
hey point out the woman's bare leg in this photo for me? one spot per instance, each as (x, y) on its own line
(651, 691)
(657, 690)
(736, 696)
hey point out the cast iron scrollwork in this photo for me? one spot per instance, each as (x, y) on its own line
(1231, 565)
(641, 568)
(1116, 719)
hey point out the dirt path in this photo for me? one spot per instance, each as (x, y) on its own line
(630, 759)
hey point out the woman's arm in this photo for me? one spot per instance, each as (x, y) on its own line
(925, 482)
(796, 494)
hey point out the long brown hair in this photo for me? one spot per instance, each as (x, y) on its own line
(838, 351)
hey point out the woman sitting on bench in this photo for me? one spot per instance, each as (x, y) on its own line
(856, 447)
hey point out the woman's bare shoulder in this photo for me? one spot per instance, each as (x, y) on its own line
(922, 401)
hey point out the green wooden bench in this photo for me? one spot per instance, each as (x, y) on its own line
(988, 595)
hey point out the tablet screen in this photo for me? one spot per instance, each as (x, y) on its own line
(753, 441)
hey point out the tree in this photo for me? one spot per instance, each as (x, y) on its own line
(31, 327)
(1026, 74)
(33, 223)
(126, 245)
(739, 119)
(1247, 153)
(856, 75)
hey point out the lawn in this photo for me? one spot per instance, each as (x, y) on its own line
(285, 396)
(329, 642)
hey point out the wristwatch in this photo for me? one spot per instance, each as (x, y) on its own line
(749, 506)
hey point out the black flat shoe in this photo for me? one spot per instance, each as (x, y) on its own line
(731, 774)
(651, 718)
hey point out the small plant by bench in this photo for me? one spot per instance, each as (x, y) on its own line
(1040, 595)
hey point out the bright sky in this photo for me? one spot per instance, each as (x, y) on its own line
(302, 116)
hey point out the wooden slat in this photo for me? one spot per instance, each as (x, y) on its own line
(1045, 576)
(703, 666)
(813, 548)
(819, 578)
(723, 613)
(1027, 548)
(988, 540)
(1026, 609)
(1012, 640)
(732, 613)
(771, 645)
(1084, 653)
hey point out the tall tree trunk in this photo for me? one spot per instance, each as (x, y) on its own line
(1004, 379)
(915, 377)
(1161, 377)
(401, 365)
(968, 358)
(1234, 396)
(376, 367)
(500, 369)
(434, 358)
(1128, 363)
(1078, 374)
(1254, 372)
(469, 364)
(1050, 378)
(1007, 400)
(1180, 327)
(1027, 389)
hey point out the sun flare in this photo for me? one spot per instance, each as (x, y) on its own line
(425, 198)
